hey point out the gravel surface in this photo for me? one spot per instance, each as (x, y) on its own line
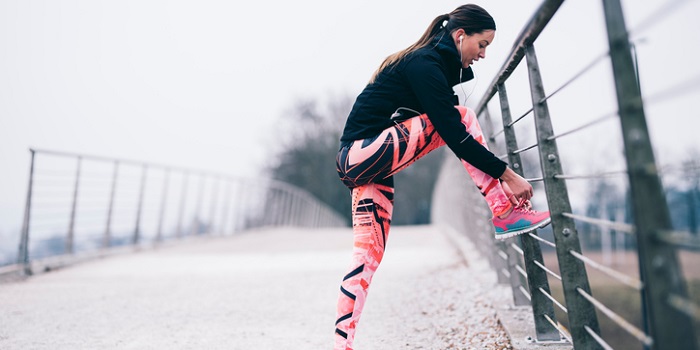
(269, 289)
(446, 304)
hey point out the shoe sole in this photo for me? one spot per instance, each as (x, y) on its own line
(503, 236)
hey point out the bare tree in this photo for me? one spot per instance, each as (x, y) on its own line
(307, 141)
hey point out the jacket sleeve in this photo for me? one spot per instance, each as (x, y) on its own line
(430, 85)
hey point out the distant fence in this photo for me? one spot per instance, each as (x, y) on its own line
(82, 205)
(668, 314)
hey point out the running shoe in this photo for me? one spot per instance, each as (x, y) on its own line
(521, 220)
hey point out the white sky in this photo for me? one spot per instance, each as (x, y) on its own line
(202, 83)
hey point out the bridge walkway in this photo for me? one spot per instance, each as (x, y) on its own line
(265, 289)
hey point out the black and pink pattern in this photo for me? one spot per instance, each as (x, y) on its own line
(366, 167)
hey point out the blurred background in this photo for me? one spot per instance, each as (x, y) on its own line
(230, 87)
(262, 89)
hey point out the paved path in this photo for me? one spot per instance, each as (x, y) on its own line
(268, 289)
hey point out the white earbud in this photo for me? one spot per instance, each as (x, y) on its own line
(460, 38)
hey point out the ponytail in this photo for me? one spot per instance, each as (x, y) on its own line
(472, 18)
(425, 39)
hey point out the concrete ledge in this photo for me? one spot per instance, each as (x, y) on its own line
(518, 323)
(516, 320)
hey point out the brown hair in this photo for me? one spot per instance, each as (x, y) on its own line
(472, 18)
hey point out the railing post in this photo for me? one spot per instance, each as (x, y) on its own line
(266, 206)
(258, 216)
(214, 205)
(317, 215)
(298, 209)
(295, 208)
(511, 257)
(243, 193)
(239, 218)
(236, 208)
(274, 207)
(250, 196)
(107, 238)
(23, 255)
(163, 203)
(137, 226)
(502, 251)
(536, 277)
(227, 206)
(290, 207)
(183, 200)
(70, 237)
(280, 210)
(197, 212)
(305, 206)
(514, 278)
(573, 271)
(316, 212)
(659, 268)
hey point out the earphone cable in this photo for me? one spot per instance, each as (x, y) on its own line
(466, 97)
(461, 84)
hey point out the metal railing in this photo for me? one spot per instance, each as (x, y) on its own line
(668, 314)
(80, 206)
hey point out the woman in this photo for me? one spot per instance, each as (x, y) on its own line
(407, 110)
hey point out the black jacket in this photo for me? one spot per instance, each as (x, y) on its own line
(422, 81)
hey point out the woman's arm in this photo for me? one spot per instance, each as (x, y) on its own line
(428, 82)
(520, 188)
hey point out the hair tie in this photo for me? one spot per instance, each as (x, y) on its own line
(445, 21)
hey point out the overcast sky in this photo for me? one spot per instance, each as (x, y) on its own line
(202, 83)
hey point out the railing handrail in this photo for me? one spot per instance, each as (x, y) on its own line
(527, 36)
(136, 163)
(163, 166)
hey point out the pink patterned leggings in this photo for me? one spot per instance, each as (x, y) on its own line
(367, 166)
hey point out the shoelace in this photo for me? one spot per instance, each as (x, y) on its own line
(525, 206)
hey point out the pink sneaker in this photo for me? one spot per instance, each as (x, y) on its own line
(521, 220)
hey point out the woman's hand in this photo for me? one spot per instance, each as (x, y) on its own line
(509, 193)
(516, 188)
